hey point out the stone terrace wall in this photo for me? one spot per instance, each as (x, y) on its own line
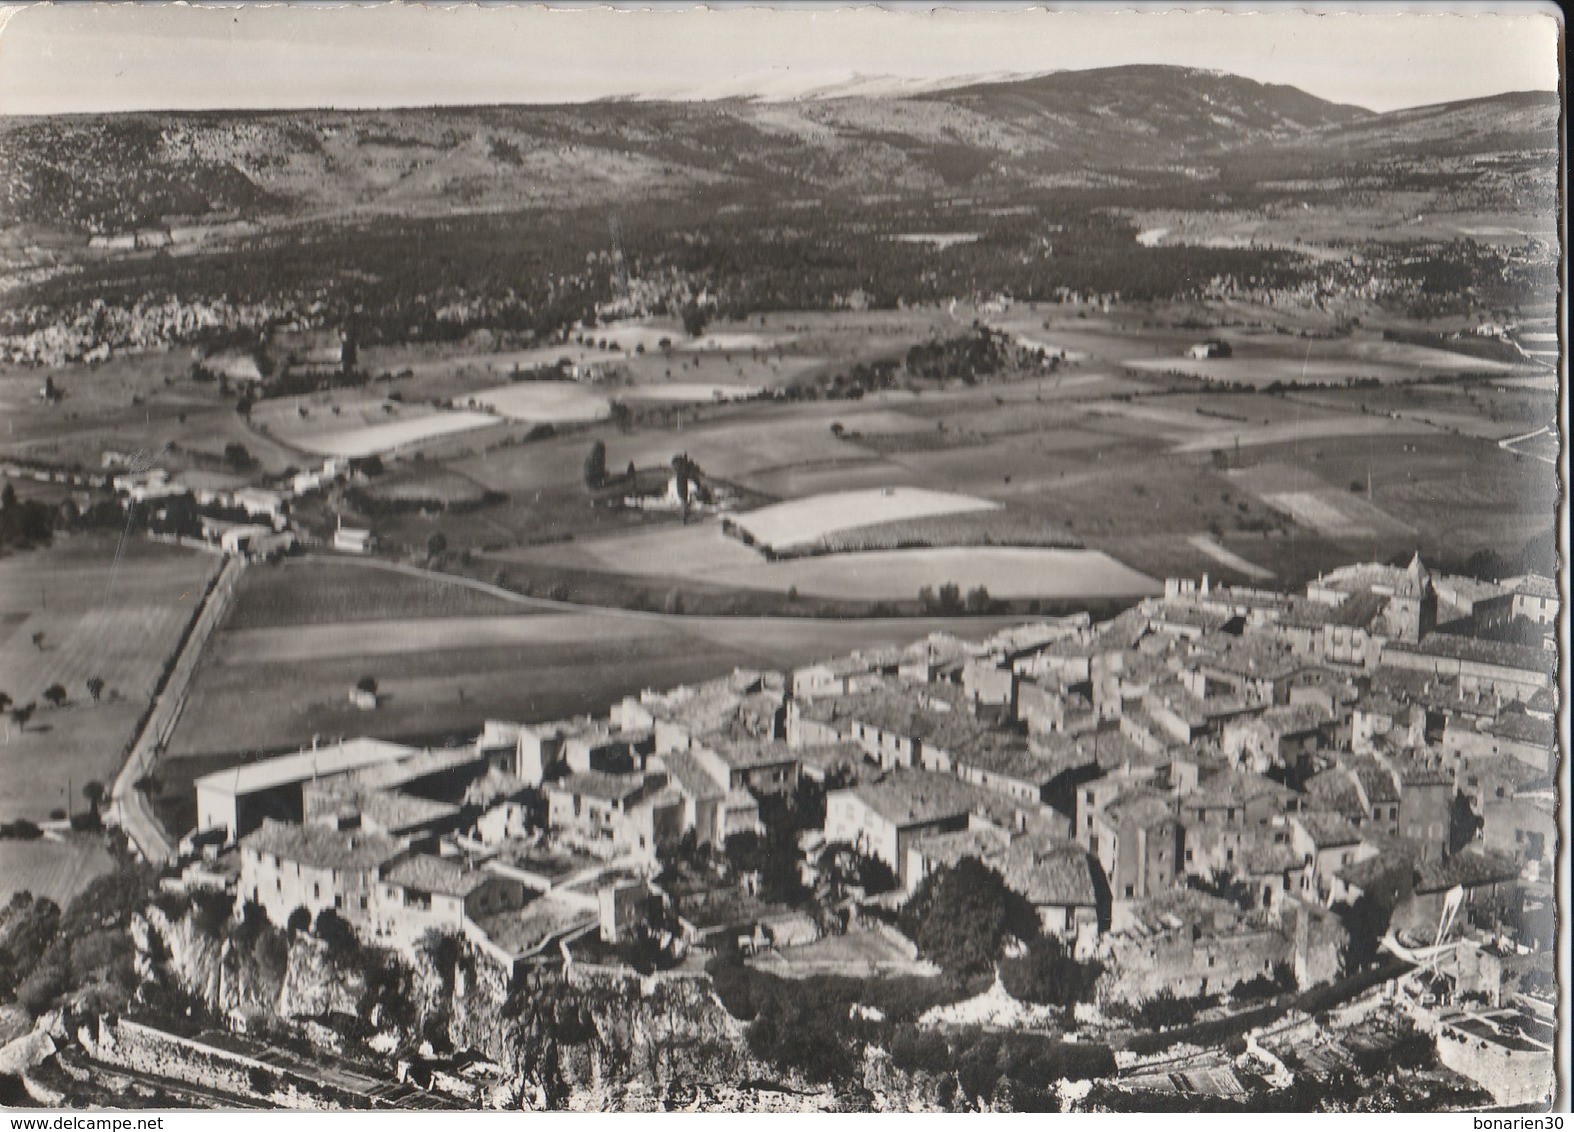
(144, 1049)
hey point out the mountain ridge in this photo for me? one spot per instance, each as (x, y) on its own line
(105, 173)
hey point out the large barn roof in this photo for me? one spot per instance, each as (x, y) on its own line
(352, 754)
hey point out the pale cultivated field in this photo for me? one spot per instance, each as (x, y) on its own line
(550, 402)
(1340, 516)
(940, 241)
(1226, 557)
(310, 415)
(376, 439)
(56, 869)
(272, 689)
(806, 521)
(1385, 361)
(357, 423)
(687, 391)
(1230, 435)
(426, 635)
(1318, 504)
(118, 618)
(1006, 572)
(100, 614)
(691, 551)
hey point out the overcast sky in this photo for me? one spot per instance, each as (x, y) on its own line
(77, 58)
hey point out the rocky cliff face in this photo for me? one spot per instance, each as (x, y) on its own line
(564, 1041)
(231, 980)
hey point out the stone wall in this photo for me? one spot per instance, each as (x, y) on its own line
(144, 1049)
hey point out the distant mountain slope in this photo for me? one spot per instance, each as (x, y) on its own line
(108, 173)
(1173, 107)
(1517, 120)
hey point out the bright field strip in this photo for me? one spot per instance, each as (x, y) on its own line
(803, 522)
(1226, 557)
(547, 402)
(691, 392)
(1339, 516)
(1006, 572)
(1295, 432)
(1413, 362)
(376, 439)
(330, 641)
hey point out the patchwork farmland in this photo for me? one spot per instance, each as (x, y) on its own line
(89, 607)
(278, 671)
(804, 522)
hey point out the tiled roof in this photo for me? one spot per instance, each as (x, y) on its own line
(1523, 729)
(1334, 791)
(1526, 658)
(1370, 871)
(1470, 869)
(444, 876)
(901, 715)
(1268, 859)
(830, 756)
(1056, 874)
(1543, 700)
(1328, 830)
(911, 797)
(1007, 757)
(595, 784)
(985, 843)
(1295, 719)
(396, 812)
(742, 754)
(1142, 808)
(322, 847)
(1376, 781)
(692, 778)
(1236, 787)
(1532, 585)
(419, 765)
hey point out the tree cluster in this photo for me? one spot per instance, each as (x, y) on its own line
(949, 600)
(961, 915)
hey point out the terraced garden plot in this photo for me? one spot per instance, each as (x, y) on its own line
(805, 522)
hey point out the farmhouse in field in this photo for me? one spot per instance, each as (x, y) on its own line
(306, 352)
(353, 540)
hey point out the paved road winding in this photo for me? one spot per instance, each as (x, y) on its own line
(128, 805)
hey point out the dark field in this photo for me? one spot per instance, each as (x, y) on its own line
(302, 593)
